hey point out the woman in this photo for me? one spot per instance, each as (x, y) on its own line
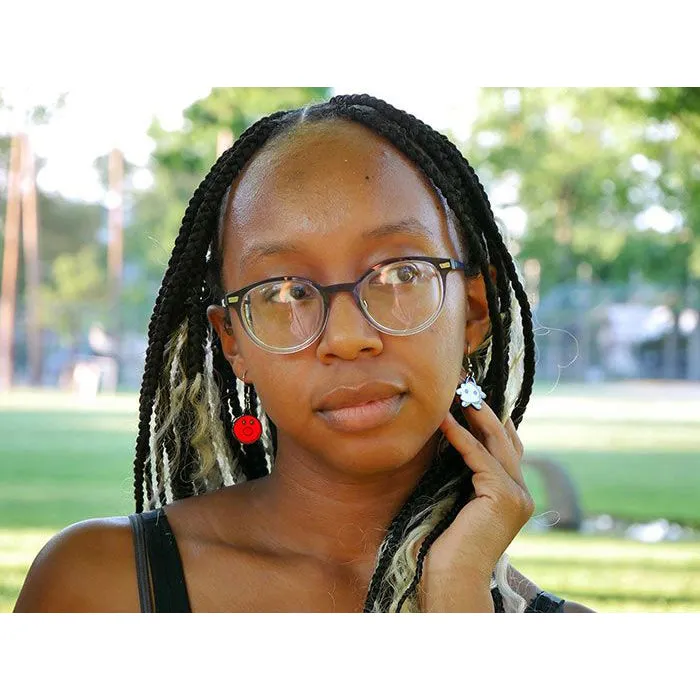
(342, 263)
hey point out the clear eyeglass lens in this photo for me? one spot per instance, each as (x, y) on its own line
(400, 296)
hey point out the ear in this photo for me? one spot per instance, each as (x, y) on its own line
(478, 319)
(220, 320)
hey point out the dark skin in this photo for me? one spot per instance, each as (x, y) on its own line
(305, 537)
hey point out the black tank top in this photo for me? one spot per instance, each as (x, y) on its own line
(161, 579)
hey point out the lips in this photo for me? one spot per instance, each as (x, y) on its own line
(368, 416)
(348, 396)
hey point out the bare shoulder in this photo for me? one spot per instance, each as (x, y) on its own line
(528, 589)
(87, 567)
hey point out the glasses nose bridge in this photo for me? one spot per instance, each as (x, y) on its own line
(332, 289)
(343, 287)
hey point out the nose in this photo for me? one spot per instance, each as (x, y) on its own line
(347, 333)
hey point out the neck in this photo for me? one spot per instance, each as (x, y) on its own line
(336, 517)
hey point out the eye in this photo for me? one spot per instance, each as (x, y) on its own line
(398, 273)
(286, 291)
(407, 272)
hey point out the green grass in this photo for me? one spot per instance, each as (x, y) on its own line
(635, 487)
(612, 575)
(633, 452)
(64, 461)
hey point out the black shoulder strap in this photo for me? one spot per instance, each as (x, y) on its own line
(542, 602)
(497, 599)
(169, 587)
(546, 602)
(142, 574)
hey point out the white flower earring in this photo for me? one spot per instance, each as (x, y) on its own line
(469, 391)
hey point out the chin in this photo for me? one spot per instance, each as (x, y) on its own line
(375, 457)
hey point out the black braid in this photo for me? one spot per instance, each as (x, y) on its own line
(254, 452)
(506, 262)
(506, 269)
(193, 365)
(464, 491)
(225, 380)
(154, 351)
(434, 478)
(252, 461)
(170, 294)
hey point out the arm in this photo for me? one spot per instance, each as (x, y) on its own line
(87, 567)
(528, 589)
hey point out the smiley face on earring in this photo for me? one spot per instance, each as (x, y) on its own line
(247, 429)
(471, 394)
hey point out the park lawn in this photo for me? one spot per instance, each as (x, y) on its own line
(62, 461)
(632, 486)
(612, 574)
(61, 466)
(632, 450)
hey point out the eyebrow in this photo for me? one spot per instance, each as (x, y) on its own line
(410, 226)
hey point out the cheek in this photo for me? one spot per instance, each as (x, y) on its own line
(452, 322)
(283, 391)
(442, 346)
(433, 360)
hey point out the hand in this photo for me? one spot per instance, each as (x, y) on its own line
(458, 566)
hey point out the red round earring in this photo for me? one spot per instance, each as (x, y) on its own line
(247, 428)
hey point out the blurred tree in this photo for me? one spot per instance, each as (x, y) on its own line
(680, 105)
(560, 155)
(609, 179)
(672, 140)
(76, 296)
(65, 224)
(182, 158)
(672, 145)
(21, 221)
(605, 176)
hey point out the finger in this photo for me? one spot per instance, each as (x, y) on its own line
(491, 478)
(514, 437)
(496, 439)
(475, 454)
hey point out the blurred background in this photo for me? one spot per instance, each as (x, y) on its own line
(598, 195)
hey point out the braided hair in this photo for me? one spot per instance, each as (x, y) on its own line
(190, 394)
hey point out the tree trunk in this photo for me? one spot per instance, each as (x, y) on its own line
(10, 263)
(30, 239)
(115, 253)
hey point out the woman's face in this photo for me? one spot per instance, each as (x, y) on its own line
(322, 188)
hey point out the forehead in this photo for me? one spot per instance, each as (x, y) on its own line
(321, 189)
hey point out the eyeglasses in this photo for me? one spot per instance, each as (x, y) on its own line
(398, 296)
